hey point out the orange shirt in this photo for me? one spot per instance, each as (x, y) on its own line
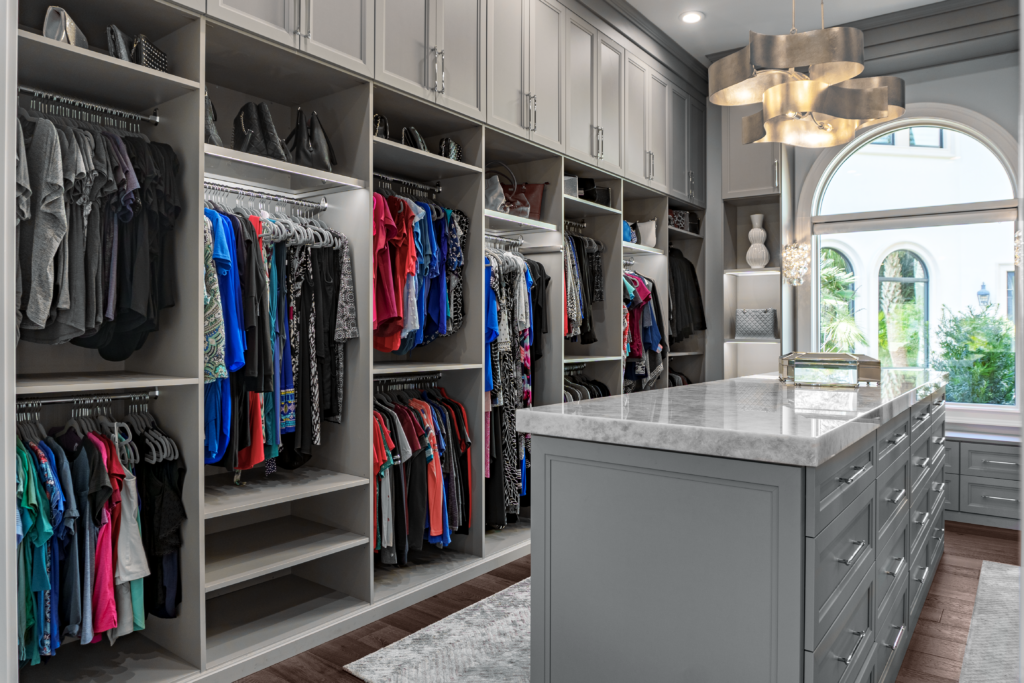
(435, 480)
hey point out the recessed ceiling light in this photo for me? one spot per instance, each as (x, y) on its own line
(691, 17)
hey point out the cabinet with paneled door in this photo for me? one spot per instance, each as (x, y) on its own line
(687, 147)
(752, 170)
(433, 49)
(648, 141)
(526, 69)
(337, 31)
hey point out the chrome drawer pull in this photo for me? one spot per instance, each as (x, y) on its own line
(898, 498)
(856, 648)
(939, 488)
(898, 440)
(899, 637)
(899, 567)
(923, 576)
(940, 403)
(922, 418)
(853, 558)
(925, 464)
(940, 440)
(939, 534)
(860, 472)
(924, 520)
(1002, 462)
(1008, 500)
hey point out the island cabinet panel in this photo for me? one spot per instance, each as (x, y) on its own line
(893, 439)
(987, 460)
(837, 483)
(655, 525)
(892, 562)
(892, 489)
(893, 638)
(847, 644)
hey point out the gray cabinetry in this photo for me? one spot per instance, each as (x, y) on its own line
(990, 496)
(696, 188)
(658, 137)
(339, 31)
(277, 20)
(547, 73)
(849, 641)
(460, 38)
(982, 460)
(648, 118)
(611, 76)
(635, 160)
(581, 53)
(747, 170)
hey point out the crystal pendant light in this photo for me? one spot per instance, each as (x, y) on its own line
(796, 260)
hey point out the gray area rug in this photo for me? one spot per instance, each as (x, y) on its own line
(487, 641)
(993, 645)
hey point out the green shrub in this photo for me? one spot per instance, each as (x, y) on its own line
(976, 349)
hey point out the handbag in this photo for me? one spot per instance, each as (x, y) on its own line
(412, 138)
(275, 147)
(755, 323)
(647, 232)
(451, 149)
(57, 25)
(149, 55)
(494, 193)
(532, 194)
(117, 43)
(212, 136)
(380, 127)
(309, 144)
(247, 134)
(598, 195)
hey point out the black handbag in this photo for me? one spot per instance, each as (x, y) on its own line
(275, 147)
(451, 149)
(247, 134)
(412, 138)
(149, 55)
(117, 43)
(212, 136)
(310, 145)
(380, 127)
(598, 195)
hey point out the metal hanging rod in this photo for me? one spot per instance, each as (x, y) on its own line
(92, 106)
(430, 189)
(575, 226)
(573, 367)
(628, 260)
(87, 398)
(516, 241)
(249, 191)
(418, 379)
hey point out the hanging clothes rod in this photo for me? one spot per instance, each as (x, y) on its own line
(575, 226)
(435, 189)
(249, 191)
(424, 379)
(627, 260)
(91, 106)
(87, 398)
(573, 367)
(516, 241)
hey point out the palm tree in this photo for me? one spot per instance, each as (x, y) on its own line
(839, 331)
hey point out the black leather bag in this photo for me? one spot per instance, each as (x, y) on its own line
(380, 127)
(248, 137)
(598, 195)
(451, 149)
(149, 55)
(117, 43)
(275, 146)
(412, 138)
(310, 145)
(212, 136)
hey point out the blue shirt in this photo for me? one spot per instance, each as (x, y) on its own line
(490, 326)
(230, 290)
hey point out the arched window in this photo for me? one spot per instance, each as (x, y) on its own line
(837, 301)
(903, 311)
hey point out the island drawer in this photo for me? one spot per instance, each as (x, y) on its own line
(981, 460)
(847, 644)
(891, 562)
(893, 438)
(952, 456)
(987, 496)
(836, 561)
(893, 637)
(920, 522)
(892, 495)
(919, 573)
(936, 535)
(937, 439)
(870, 673)
(937, 486)
(920, 420)
(952, 491)
(939, 405)
(833, 486)
(920, 468)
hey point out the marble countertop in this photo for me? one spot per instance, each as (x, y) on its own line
(748, 418)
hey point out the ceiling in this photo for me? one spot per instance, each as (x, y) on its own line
(727, 22)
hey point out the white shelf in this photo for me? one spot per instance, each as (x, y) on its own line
(402, 368)
(684, 354)
(431, 565)
(500, 540)
(576, 208)
(269, 613)
(591, 359)
(94, 76)
(83, 382)
(259, 549)
(753, 341)
(630, 248)
(498, 223)
(748, 272)
(394, 158)
(231, 166)
(683, 234)
(133, 659)
(223, 497)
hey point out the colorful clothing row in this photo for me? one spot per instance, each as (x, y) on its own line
(584, 285)
(641, 332)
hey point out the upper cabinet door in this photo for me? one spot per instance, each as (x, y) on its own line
(508, 42)
(747, 170)
(658, 136)
(274, 19)
(461, 31)
(696, 151)
(679, 175)
(547, 73)
(405, 46)
(635, 160)
(581, 99)
(340, 31)
(611, 70)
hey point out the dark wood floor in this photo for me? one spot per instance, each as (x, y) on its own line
(935, 655)
(323, 664)
(937, 649)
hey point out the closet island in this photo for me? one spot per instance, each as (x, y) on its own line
(739, 530)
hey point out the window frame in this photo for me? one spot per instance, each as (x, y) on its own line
(879, 279)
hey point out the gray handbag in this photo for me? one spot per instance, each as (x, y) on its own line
(58, 26)
(755, 323)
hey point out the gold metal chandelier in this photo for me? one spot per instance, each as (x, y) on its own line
(807, 86)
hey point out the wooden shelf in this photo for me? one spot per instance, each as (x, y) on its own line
(498, 223)
(591, 359)
(630, 248)
(683, 234)
(684, 354)
(230, 165)
(95, 77)
(403, 368)
(223, 497)
(269, 613)
(749, 272)
(576, 208)
(259, 549)
(402, 161)
(94, 382)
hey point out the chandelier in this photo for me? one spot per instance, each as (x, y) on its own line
(807, 86)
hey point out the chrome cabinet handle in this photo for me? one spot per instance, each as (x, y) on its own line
(859, 472)
(925, 464)
(898, 498)
(922, 418)
(692, 186)
(434, 51)
(1002, 462)
(939, 404)
(899, 567)
(775, 174)
(924, 520)
(939, 534)
(441, 91)
(939, 488)
(898, 440)
(939, 440)
(923, 576)
(856, 648)
(853, 558)
(600, 142)
(899, 637)
(1008, 500)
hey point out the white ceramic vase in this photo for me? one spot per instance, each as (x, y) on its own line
(757, 255)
